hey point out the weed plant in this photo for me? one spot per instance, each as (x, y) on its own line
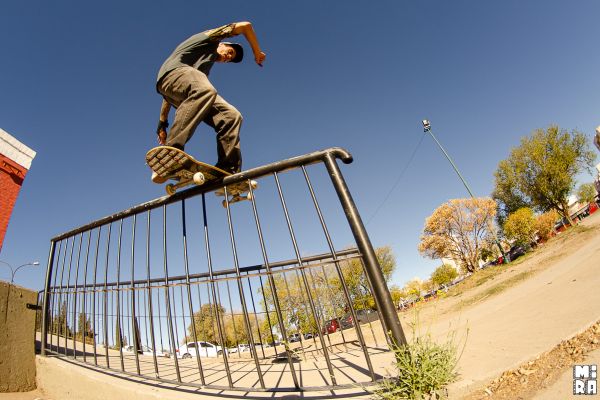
(424, 369)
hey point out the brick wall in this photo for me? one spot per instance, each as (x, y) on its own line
(15, 161)
(11, 179)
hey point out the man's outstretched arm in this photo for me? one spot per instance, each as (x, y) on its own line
(245, 28)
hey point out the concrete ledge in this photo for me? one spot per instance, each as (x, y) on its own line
(17, 350)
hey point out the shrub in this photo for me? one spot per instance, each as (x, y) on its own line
(544, 224)
(424, 367)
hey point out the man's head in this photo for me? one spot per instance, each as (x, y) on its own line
(230, 52)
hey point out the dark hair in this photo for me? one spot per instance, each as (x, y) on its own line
(239, 51)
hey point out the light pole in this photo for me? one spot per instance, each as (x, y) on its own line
(14, 271)
(427, 129)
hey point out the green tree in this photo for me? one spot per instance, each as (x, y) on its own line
(443, 275)
(294, 304)
(540, 173)
(120, 339)
(586, 193)
(205, 323)
(397, 294)
(413, 288)
(84, 328)
(325, 288)
(520, 226)
(356, 279)
(60, 325)
(459, 229)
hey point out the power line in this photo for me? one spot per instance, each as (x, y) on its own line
(397, 181)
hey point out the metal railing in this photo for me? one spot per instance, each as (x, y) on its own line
(203, 307)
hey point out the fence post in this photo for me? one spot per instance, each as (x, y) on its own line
(381, 293)
(45, 310)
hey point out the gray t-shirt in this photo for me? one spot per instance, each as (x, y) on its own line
(198, 51)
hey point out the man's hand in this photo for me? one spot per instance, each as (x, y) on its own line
(163, 123)
(161, 132)
(259, 58)
(162, 137)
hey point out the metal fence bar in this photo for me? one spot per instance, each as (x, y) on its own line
(241, 288)
(339, 273)
(168, 296)
(46, 317)
(272, 285)
(66, 303)
(94, 324)
(213, 290)
(83, 305)
(304, 279)
(136, 338)
(381, 292)
(105, 298)
(189, 291)
(119, 321)
(75, 296)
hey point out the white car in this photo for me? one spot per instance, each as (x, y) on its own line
(204, 349)
(241, 348)
(146, 351)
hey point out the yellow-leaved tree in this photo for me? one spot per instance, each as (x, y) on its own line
(459, 229)
(520, 226)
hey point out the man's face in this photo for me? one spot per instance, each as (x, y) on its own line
(226, 53)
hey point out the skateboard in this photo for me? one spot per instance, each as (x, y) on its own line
(170, 163)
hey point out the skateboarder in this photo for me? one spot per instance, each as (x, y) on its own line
(183, 82)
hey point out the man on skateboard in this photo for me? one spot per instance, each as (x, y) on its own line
(183, 82)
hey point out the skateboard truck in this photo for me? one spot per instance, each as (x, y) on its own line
(198, 178)
(239, 191)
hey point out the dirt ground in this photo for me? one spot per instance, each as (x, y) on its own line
(521, 326)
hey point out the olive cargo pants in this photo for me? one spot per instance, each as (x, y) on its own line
(196, 100)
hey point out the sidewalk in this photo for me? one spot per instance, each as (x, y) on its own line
(530, 317)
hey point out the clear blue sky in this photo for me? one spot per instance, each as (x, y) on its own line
(77, 86)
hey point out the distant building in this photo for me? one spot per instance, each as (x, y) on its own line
(15, 161)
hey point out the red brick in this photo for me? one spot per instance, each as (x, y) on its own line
(11, 179)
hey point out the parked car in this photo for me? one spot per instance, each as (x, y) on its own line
(294, 337)
(204, 349)
(516, 252)
(364, 315)
(145, 351)
(332, 326)
(240, 348)
(310, 335)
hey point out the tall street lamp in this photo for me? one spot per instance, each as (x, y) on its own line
(14, 271)
(427, 129)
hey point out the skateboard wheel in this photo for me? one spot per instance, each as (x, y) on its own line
(224, 202)
(249, 197)
(199, 178)
(170, 189)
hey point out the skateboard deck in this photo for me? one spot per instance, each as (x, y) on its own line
(170, 163)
